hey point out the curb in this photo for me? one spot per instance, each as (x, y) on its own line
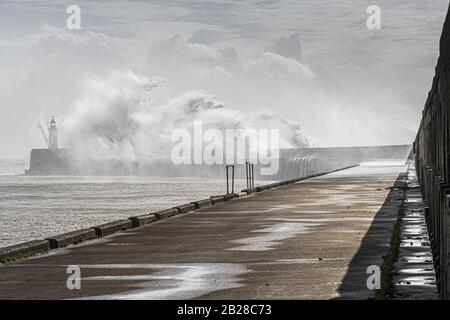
(186, 208)
(138, 221)
(23, 250)
(202, 203)
(73, 237)
(166, 213)
(112, 227)
(217, 199)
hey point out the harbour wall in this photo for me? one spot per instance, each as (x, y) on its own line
(292, 163)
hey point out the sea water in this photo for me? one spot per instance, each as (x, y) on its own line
(33, 207)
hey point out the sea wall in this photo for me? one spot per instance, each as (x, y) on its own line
(432, 148)
(292, 163)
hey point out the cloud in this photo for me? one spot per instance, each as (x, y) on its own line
(206, 36)
(57, 45)
(203, 60)
(178, 58)
(215, 71)
(202, 53)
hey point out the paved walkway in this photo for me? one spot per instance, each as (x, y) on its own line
(310, 240)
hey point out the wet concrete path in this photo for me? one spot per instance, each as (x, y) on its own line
(309, 240)
(414, 276)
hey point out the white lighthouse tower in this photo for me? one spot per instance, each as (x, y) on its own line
(52, 135)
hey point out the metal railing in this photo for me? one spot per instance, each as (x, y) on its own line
(228, 179)
(250, 175)
(431, 148)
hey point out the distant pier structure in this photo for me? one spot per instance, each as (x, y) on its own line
(293, 163)
(53, 160)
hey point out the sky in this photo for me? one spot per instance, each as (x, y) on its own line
(308, 63)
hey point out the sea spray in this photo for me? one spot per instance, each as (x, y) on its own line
(115, 117)
(42, 129)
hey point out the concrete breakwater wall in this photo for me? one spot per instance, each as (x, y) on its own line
(35, 247)
(301, 162)
(292, 163)
(365, 153)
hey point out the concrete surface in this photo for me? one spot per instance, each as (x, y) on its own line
(310, 240)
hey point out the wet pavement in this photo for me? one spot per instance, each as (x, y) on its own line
(414, 276)
(313, 239)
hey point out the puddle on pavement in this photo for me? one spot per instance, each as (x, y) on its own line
(412, 198)
(170, 281)
(321, 220)
(414, 230)
(417, 259)
(414, 243)
(415, 271)
(417, 281)
(310, 260)
(272, 236)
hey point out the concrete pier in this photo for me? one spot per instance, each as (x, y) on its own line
(313, 239)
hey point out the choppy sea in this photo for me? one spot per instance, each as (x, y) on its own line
(35, 207)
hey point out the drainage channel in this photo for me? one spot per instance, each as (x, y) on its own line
(414, 276)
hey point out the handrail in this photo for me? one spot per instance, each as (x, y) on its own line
(231, 166)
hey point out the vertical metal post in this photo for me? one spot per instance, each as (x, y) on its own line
(228, 178)
(253, 176)
(228, 190)
(249, 173)
(246, 174)
(232, 180)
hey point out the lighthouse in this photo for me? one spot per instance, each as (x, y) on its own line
(52, 135)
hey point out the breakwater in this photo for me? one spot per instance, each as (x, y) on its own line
(292, 163)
